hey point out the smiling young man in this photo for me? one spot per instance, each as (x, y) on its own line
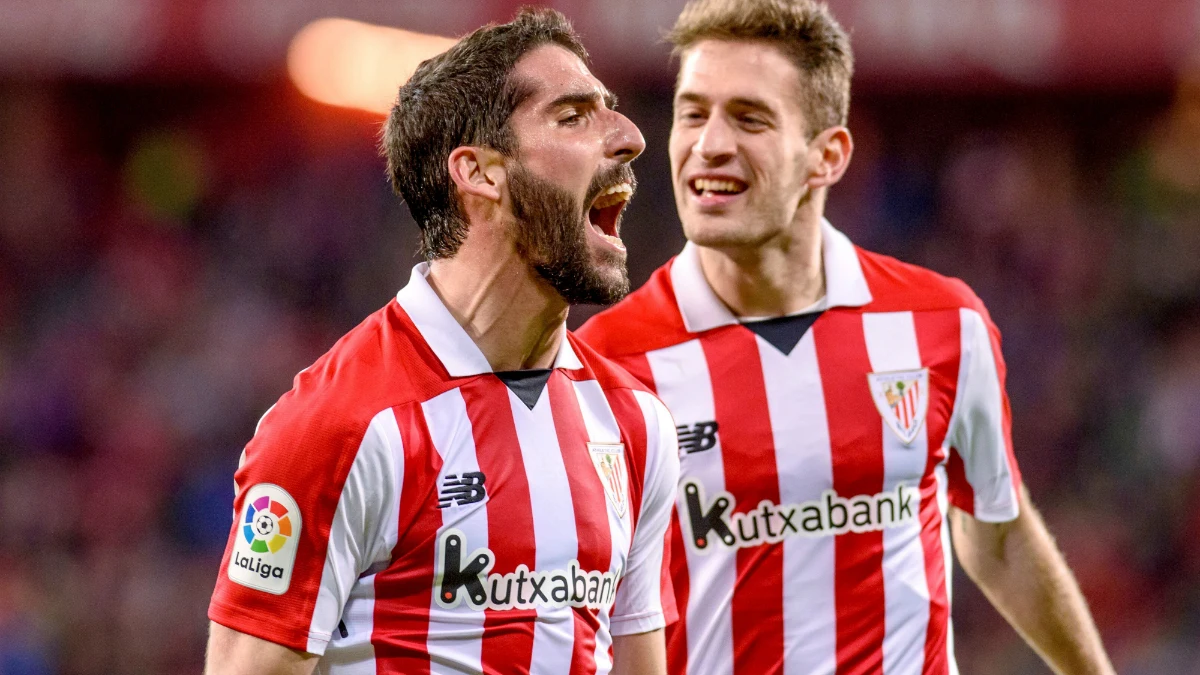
(459, 486)
(839, 411)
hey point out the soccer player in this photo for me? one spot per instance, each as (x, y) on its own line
(839, 411)
(458, 485)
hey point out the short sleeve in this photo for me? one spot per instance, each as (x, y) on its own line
(638, 607)
(308, 521)
(982, 470)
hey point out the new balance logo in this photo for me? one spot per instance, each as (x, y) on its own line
(700, 437)
(462, 490)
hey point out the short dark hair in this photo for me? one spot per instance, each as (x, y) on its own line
(464, 96)
(803, 30)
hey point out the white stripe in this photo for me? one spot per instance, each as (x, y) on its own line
(554, 533)
(800, 429)
(682, 381)
(659, 484)
(891, 340)
(362, 534)
(455, 640)
(638, 605)
(602, 428)
(597, 416)
(604, 662)
(354, 654)
(977, 425)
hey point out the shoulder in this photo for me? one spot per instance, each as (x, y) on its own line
(604, 370)
(900, 286)
(630, 398)
(646, 320)
(379, 364)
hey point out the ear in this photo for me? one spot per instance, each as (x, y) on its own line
(830, 154)
(478, 172)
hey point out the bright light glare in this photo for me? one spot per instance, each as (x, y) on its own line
(357, 65)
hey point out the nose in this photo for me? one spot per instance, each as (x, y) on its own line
(716, 140)
(625, 141)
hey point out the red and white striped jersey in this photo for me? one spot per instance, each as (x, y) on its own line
(403, 510)
(810, 531)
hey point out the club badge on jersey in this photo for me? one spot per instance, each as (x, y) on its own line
(264, 551)
(609, 460)
(902, 398)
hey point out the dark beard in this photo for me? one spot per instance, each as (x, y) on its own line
(552, 239)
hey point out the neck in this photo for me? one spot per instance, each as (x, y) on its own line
(778, 278)
(511, 313)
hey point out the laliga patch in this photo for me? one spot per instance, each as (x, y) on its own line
(609, 460)
(902, 397)
(264, 552)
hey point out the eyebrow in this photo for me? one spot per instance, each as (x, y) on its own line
(743, 101)
(584, 98)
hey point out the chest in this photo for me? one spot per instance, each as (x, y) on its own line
(512, 494)
(860, 405)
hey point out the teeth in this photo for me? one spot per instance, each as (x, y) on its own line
(712, 185)
(613, 195)
(615, 241)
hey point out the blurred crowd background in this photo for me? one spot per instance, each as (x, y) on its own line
(181, 231)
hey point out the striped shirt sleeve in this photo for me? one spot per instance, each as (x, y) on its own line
(983, 473)
(311, 497)
(638, 605)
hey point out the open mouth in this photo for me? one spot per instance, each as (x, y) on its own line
(716, 187)
(605, 213)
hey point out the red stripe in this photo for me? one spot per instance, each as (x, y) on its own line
(939, 342)
(677, 631)
(856, 441)
(961, 494)
(638, 366)
(507, 634)
(401, 626)
(740, 402)
(591, 510)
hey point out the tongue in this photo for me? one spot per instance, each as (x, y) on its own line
(604, 219)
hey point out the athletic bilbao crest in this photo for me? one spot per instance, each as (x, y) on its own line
(609, 460)
(902, 398)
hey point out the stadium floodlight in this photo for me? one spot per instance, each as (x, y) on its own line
(357, 65)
